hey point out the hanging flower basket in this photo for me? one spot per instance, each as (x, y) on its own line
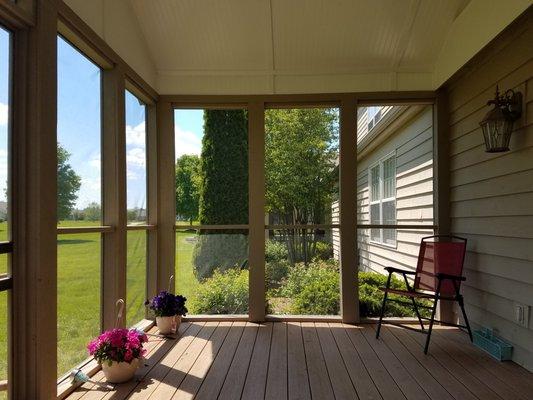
(119, 352)
(168, 309)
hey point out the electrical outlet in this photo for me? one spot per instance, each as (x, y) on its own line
(521, 314)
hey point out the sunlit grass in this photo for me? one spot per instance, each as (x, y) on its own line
(79, 274)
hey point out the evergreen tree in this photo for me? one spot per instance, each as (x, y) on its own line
(223, 191)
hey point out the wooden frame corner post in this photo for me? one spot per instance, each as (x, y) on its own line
(34, 295)
(348, 211)
(151, 162)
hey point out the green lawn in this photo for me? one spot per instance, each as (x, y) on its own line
(186, 283)
(79, 262)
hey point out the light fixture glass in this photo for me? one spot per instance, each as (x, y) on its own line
(497, 125)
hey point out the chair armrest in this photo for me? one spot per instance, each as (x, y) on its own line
(440, 275)
(390, 270)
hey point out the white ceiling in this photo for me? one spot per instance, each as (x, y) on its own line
(292, 46)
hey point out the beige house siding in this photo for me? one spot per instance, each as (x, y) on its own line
(412, 143)
(492, 194)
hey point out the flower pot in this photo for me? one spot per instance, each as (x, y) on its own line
(166, 325)
(178, 321)
(119, 372)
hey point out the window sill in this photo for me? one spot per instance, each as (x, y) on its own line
(385, 245)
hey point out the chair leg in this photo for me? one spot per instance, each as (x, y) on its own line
(462, 305)
(383, 306)
(417, 313)
(430, 329)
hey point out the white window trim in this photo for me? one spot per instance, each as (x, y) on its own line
(381, 200)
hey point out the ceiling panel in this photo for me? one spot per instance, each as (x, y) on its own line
(202, 35)
(339, 35)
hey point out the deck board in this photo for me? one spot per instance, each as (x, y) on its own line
(293, 360)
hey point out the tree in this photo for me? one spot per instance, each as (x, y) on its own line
(301, 150)
(188, 187)
(93, 212)
(68, 184)
(223, 191)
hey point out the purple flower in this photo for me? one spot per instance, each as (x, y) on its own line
(166, 304)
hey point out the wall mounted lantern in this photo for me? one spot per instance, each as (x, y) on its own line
(498, 123)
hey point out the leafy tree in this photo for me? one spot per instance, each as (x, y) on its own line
(93, 212)
(223, 191)
(188, 187)
(68, 184)
(301, 152)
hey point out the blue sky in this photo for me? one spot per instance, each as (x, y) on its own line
(4, 94)
(79, 126)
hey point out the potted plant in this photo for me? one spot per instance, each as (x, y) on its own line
(119, 352)
(168, 309)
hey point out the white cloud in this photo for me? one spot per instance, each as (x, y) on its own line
(136, 135)
(136, 157)
(4, 109)
(3, 173)
(96, 162)
(187, 142)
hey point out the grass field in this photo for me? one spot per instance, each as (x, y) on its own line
(79, 263)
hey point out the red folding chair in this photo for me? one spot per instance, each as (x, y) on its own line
(438, 276)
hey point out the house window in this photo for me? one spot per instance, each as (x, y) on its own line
(382, 178)
(374, 114)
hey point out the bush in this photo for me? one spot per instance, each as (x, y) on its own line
(276, 251)
(275, 273)
(313, 289)
(323, 250)
(371, 297)
(219, 251)
(225, 292)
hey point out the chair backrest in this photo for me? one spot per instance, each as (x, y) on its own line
(439, 254)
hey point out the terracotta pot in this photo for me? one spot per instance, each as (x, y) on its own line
(166, 325)
(119, 372)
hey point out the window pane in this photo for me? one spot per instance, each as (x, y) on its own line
(389, 177)
(5, 59)
(374, 182)
(389, 218)
(212, 271)
(3, 340)
(78, 133)
(136, 277)
(78, 296)
(136, 159)
(212, 166)
(375, 219)
(299, 285)
(301, 165)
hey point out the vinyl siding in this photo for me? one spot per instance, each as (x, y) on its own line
(492, 194)
(413, 145)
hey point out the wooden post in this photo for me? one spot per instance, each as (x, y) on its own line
(34, 296)
(152, 199)
(256, 210)
(166, 207)
(114, 194)
(441, 185)
(348, 211)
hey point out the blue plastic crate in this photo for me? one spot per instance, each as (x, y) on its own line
(496, 347)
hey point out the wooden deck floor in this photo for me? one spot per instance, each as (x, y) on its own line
(225, 360)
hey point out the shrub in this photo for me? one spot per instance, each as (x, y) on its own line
(314, 289)
(225, 292)
(276, 272)
(323, 250)
(371, 297)
(219, 251)
(276, 251)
